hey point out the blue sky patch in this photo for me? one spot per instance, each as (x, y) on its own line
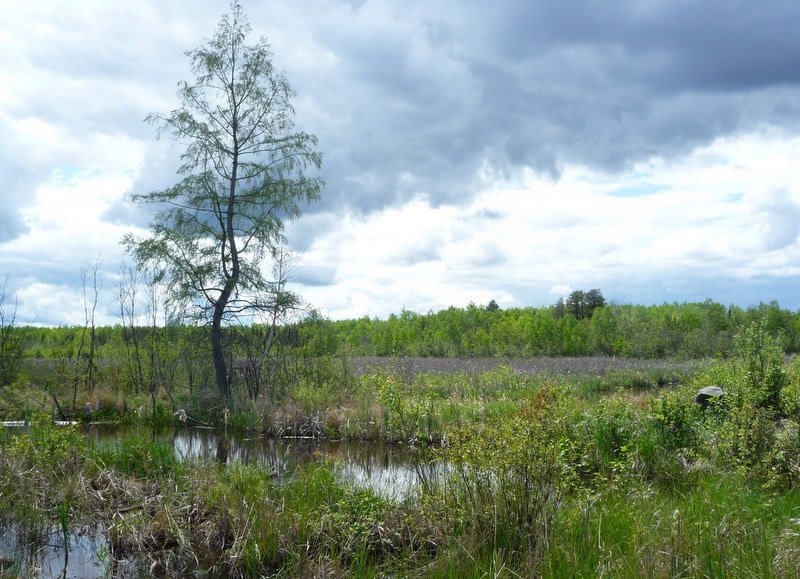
(637, 191)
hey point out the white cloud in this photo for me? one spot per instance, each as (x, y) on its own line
(513, 155)
(66, 232)
(712, 213)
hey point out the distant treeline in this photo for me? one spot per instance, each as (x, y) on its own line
(686, 330)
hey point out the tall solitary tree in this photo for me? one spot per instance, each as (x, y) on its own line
(243, 174)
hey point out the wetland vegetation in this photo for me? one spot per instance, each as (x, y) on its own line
(538, 442)
(520, 466)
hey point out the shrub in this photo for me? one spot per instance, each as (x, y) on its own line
(759, 366)
(790, 401)
(677, 419)
(744, 439)
(505, 485)
(782, 462)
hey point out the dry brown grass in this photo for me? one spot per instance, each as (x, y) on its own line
(594, 365)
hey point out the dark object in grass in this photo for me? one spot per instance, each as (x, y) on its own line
(707, 393)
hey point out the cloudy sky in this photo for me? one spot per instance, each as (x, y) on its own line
(513, 150)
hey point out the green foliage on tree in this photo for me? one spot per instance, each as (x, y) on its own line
(760, 366)
(583, 304)
(605, 331)
(243, 174)
(676, 330)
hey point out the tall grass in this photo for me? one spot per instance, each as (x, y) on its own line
(137, 455)
(40, 472)
(617, 474)
(723, 528)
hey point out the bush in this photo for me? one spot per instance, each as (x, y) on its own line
(781, 465)
(744, 439)
(790, 401)
(677, 418)
(759, 366)
(505, 485)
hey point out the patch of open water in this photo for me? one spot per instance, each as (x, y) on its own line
(390, 472)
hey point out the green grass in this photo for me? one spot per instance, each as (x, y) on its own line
(137, 455)
(720, 528)
(617, 474)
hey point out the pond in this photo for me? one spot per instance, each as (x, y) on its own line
(388, 471)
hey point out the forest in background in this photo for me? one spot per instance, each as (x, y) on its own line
(676, 330)
(169, 366)
(670, 330)
(604, 467)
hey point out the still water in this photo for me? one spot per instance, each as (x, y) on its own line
(390, 472)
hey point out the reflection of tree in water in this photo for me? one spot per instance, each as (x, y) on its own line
(223, 448)
(42, 553)
(390, 471)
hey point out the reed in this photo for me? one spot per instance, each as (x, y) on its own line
(138, 455)
(544, 473)
(722, 528)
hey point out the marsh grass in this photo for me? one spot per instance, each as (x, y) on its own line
(723, 528)
(599, 468)
(138, 455)
(40, 473)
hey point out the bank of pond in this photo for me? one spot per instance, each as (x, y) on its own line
(85, 548)
(607, 493)
(615, 470)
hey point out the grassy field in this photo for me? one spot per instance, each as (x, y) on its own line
(582, 467)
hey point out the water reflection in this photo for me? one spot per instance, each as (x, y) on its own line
(43, 555)
(391, 472)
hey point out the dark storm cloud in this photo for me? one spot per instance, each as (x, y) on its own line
(440, 99)
(417, 97)
(311, 276)
(413, 98)
(427, 95)
(674, 44)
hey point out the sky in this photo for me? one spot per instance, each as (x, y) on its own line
(512, 151)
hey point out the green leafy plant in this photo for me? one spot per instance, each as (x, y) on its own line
(744, 439)
(759, 366)
(505, 484)
(677, 418)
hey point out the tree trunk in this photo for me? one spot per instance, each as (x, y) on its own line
(58, 406)
(231, 277)
(217, 353)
